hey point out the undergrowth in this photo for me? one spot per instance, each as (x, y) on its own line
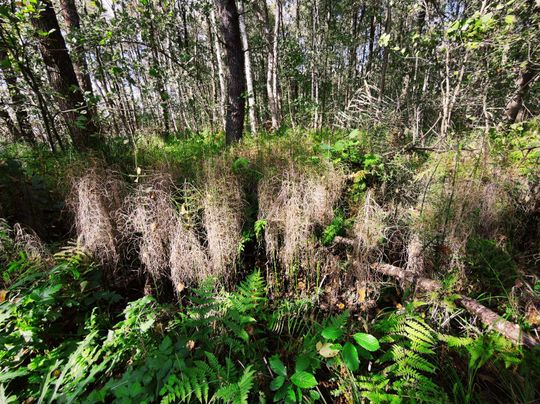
(203, 273)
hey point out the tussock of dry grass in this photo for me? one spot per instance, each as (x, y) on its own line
(369, 227)
(148, 217)
(95, 200)
(222, 218)
(188, 260)
(293, 204)
(28, 241)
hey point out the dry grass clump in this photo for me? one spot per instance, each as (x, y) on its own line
(148, 217)
(293, 204)
(369, 227)
(95, 201)
(188, 259)
(223, 216)
(28, 241)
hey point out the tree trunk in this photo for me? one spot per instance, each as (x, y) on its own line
(230, 25)
(221, 73)
(24, 130)
(11, 127)
(387, 25)
(513, 108)
(371, 43)
(249, 77)
(73, 24)
(271, 40)
(56, 57)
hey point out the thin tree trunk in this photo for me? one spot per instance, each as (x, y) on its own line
(24, 130)
(270, 37)
(387, 25)
(371, 43)
(513, 108)
(221, 73)
(230, 26)
(249, 76)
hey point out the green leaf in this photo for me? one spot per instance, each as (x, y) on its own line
(332, 333)
(384, 40)
(367, 341)
(304, 380)
(278, 366)
(302, 363)
(510, 19)
(350, 357)
(277, 383)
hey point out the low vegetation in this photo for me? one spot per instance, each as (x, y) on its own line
(259, 284)
(233, 201)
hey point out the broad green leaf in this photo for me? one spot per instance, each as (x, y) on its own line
(366, 341)
(384, 40)
(350, 357)
(277, 383)
(304, 380)
(302, 363)
(277, 366)
(332, 333)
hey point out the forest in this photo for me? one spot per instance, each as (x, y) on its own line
(252, 201)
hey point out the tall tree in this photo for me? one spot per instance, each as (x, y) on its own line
(73, 24)
(62, 76)
(24, 130)
(236, 88)
(249, 74)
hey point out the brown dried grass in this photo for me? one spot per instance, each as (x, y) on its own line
(189, 262)
(28, 241)
(293, 203)
(95, 201)
(147, 218)
(223, 207)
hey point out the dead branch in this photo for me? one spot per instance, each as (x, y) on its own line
(487, 316)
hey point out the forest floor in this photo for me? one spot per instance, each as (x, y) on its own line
(300, 266)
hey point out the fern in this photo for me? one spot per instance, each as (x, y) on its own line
(238, 393)
(411, 362)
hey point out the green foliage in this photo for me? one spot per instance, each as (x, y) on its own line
(337, 228)
(410, 362)
(491, 265)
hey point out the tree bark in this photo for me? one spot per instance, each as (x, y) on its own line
(24, 130)
(513, 108)
(249, 77)
(230, 26)
(221, 73)
(56, 57)
(73, 24)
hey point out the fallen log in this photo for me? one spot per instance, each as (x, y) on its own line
(487, 316)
